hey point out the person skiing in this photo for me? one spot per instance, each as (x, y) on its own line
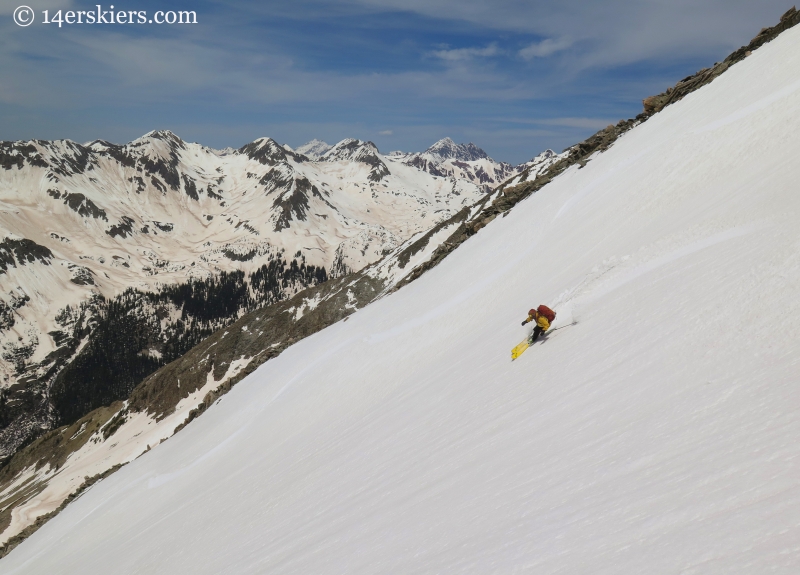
(543, 316)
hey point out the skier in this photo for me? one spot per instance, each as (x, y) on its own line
(543, 316)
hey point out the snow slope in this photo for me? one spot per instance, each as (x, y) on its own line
(657, 435)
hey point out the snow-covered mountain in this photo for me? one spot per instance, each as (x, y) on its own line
(447, 149)
(654, 431)
(467, 161)
(445, 158)
(314, 149)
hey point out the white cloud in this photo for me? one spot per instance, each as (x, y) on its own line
(461, 54)
(545, 48)
(385, 133)
(588, 123)
(566, 122)
(613, 32)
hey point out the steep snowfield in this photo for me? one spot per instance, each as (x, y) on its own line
(657, 435)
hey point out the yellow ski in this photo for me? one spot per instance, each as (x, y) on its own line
(517, 351)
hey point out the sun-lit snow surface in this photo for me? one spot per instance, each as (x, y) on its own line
(660, 434)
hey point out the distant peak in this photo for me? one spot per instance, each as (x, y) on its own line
(265, 150)
(351, 149)
(446, 149)
(264, 141)
(162, 135)
(545, 158)
(99, 145)
(314, 149)
(170, 138)
(546, 155)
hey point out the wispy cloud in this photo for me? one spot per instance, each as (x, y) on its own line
(385, 133)
(588, 123)
(462, 54)
(545, 48)
(614, 32)
(569, 122)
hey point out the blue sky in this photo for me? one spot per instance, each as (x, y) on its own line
(514, 77)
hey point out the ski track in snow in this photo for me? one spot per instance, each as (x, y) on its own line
(451, 303)
(751, 109)
(658, 435)
(159, 480)
(662, 261)
(587, 190)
